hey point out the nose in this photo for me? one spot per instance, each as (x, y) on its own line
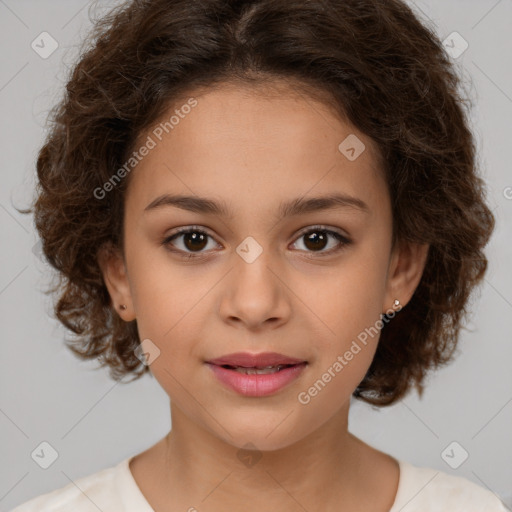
(254, 295)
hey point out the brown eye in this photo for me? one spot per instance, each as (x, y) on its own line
(188, 241)
(316, 239)
(194, 241)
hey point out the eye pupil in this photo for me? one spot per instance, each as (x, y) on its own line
(317, 239)
(194, 240)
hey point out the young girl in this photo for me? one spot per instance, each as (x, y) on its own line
(271, 206)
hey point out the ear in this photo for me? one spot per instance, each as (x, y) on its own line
(113, 269)
(406, 266)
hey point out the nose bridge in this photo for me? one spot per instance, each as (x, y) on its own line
(254, 294)
(252, 262)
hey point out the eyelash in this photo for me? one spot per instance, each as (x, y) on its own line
(344, 241)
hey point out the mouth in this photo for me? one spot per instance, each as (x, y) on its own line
(256, 375)
(263, 360)
(256, 370)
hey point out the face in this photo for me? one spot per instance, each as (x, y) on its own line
(251, 275)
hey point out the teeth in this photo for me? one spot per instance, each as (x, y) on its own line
(260, 371)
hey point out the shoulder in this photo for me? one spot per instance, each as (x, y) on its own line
(427, 489)
(94, 492)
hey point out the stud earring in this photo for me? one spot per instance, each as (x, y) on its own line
(122, 306)
(397, 303)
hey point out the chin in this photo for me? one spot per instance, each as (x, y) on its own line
(263, 435)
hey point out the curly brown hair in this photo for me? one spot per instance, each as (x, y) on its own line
(377, 64)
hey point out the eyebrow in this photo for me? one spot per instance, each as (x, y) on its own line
(286, 209)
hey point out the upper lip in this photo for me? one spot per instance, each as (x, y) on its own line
(261, 360)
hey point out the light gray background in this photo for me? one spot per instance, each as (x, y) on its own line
(93, 423)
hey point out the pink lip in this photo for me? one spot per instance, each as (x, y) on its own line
(257, 385)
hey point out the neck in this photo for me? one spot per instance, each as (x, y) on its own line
(199, 464)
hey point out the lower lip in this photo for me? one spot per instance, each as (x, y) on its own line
(257, 385)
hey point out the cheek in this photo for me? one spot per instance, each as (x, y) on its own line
(348, 300)
(163, 292)
(342, 361)
(171, 305)
(347, 306)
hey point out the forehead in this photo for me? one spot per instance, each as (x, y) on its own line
(248, 143)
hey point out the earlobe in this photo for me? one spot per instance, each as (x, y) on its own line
(405, 271)
(113, 269)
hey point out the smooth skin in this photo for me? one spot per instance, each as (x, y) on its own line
(252, 148)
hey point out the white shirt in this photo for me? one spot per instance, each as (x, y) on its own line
(114, 490)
